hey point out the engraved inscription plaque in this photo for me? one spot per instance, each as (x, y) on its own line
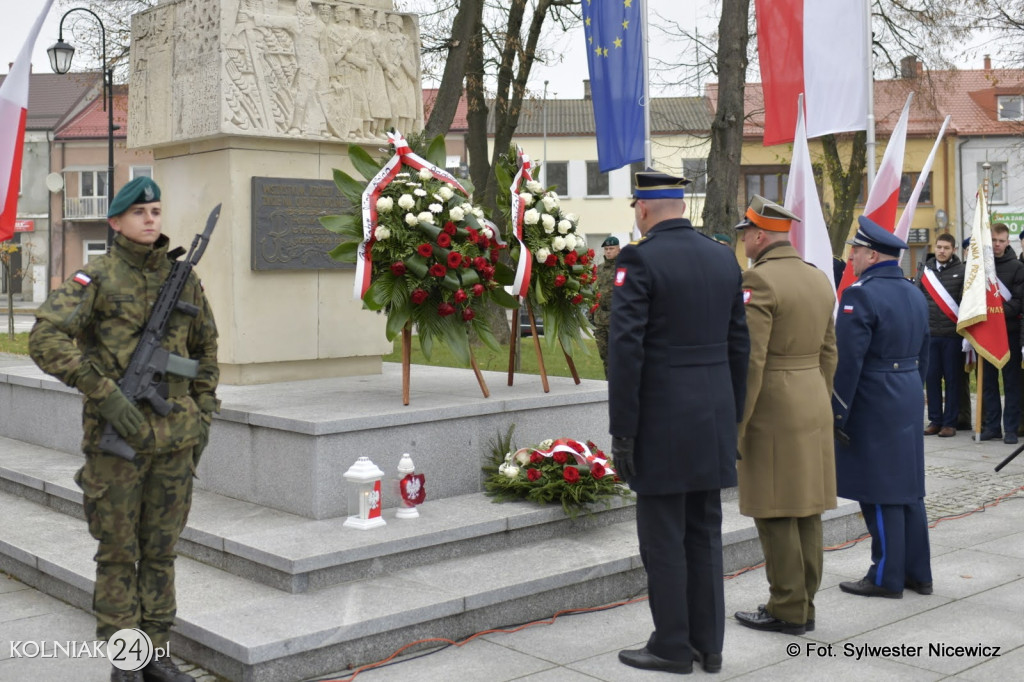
(286, 234)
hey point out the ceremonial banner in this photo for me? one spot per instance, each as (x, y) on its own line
(819, 48)
(13, 110)
(615, 57)
(810, 236)
(981, 318)
(884, 197)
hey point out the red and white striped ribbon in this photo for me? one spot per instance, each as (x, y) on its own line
(579, 451)
(933, 285)
(404, 156)
(517, 207)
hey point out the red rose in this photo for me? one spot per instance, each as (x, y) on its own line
(398, 268)
(536, 458)
(468, 314)
(593, 308)
(597, 470)
(479, 262)
(472, 235)
(533, 474)
(593, 271)
(488, 273)
(425, 250)
(454, 259)
(552, 261)
(577, 299)
(460, 296)
(584, 259)
(445, 309)
(560, 457)
(449, 228)
(590, 253)
(478, 290)
(418, 296)
(495, 253)
(571, 474)
(570, 258)
(560, 280)
(438, 270)
(443, 240)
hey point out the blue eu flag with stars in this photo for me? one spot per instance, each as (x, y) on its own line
(614, 33)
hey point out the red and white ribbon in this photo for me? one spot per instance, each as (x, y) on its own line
(579, 451)
(517, 207)
(404, 156)
(933, 285)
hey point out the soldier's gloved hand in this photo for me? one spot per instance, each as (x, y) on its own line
(204, 436)
(841, 436)
(121, 413)
(622, 457)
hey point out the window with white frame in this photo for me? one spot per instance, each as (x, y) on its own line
(1010, 107)
(597, 182)
(92, 183)
(556, 174)
(142, 172)
(997, 181)
(696, 171)
(91, 249)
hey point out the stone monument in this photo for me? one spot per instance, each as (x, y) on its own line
(253, 103)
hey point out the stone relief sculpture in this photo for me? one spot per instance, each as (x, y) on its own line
(280, 68)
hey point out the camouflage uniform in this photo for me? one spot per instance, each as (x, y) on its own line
(603, 314)
(84, 335)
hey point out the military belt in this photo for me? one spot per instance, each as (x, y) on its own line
(908, 364)
(791, 362)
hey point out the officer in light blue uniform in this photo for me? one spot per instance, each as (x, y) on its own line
(882, 338)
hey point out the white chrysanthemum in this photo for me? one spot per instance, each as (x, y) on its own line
(558, 243)
(436, 208)
(412, 184)
(385, 204)
(542, 254)
(425, 174)
(510, 471)
(403, 174)
(406, 201)
(549, 222)
(411, 219)
(420, 192)
(534, 187)
(531, 217)
(564, 226)
(446, 192)
(523, 457)
(546, 444)
(456, 214)
(550, 202)
(382, 232)
(527, 198)
(426, 217)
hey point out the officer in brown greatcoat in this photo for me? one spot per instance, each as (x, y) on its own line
(787, 475)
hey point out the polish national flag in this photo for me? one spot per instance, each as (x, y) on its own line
(903, 226)
(13, 110)
(982, 320)
(884, 197)
(810, 236)
(819, 48)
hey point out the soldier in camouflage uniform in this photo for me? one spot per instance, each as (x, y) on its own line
(84, 335)
(605, 287)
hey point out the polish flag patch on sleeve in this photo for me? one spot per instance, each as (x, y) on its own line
(746, 296)
(847, 308)
(620, 277)
(82, 279)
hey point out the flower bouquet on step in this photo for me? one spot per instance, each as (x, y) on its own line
(571, 472)
(425, 255)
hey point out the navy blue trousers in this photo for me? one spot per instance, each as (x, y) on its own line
(1009, 412)
(945, 364)
(681, 548)
(899, 544)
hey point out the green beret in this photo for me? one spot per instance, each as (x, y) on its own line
(141, 190)
(722, 237)
(610, 241)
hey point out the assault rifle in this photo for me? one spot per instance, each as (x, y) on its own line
(143, 379)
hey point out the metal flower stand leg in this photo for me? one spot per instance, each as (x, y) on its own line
(406, 361)
(513, 339)
(479, 376)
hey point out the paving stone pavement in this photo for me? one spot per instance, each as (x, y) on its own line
(977, 562)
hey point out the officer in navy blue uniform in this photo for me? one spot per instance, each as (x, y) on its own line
(883, 340)
(677, 365)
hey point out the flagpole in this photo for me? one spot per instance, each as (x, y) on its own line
(647, 87)
(871, 101)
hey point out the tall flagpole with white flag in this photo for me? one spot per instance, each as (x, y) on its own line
(647, 86)
(869, 66)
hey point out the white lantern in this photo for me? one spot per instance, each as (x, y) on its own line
(406, 473)
(364, 495)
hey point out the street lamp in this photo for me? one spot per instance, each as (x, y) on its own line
(60, 61)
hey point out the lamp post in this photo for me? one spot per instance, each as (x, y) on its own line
(61, 54)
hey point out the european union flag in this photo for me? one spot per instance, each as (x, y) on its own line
(615, 54)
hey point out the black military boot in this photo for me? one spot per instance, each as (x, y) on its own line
(118, 675)
(164, 670)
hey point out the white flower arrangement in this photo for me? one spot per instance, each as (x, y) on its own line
(446, 193)
(406, 201)
(381, 233)
(564, 226)
(425, 174)
(548, 221)
(534, 187)
(420, 192)
(550, 202)
(411, 219)
(558, 243)
(385, 204)
(457, 213)
(531, 217)
(426, 217)
(436, 208)
(542, 254)
(527, 198)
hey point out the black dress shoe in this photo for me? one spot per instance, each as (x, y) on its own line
(645, 660)
(164, 670)
(864, 588)
(762, 620)
(711, 663)
(919, 587)
(990, 435)
(1010, 439)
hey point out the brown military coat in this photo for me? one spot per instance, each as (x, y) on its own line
(785, 440)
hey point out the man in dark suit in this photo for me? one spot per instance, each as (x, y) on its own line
(883, 341)
(678, 351)
(942, 280)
